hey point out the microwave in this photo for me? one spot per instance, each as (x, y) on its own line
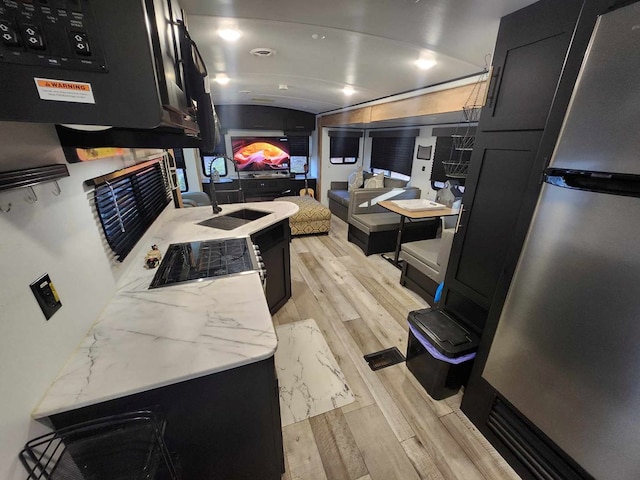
(117, 63)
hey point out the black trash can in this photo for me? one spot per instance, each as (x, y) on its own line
(440, 352)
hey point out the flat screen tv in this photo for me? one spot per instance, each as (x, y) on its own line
(261, 154)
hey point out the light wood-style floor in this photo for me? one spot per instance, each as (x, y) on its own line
(394, 430)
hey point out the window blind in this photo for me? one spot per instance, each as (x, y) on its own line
(298, 146)
(129, 202)
(344, 147)
(393, 153)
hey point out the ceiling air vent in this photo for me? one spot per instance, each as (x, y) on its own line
(262, 52)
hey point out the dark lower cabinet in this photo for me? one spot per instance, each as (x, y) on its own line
(259, 189)
(224, 425)
(273, 243)
(501, 168)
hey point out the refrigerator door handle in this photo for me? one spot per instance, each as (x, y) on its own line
(609, 183)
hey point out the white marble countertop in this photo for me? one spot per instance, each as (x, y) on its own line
(146, 339)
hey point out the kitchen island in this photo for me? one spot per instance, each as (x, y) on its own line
(201, 353)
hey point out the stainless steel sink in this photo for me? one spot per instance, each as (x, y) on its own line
(233, 220)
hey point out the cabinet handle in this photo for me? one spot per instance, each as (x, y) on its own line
(459, 218)
(493, 85)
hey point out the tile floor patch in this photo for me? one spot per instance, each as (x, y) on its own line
(310, 379)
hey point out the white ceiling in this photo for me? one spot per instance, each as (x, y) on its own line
(370, 45)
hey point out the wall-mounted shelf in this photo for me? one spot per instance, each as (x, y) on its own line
(29, 177)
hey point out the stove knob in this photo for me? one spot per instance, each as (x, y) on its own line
(261, 264)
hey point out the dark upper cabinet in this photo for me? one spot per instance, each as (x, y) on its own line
(260, 117)
(531, 47)
(295, 120)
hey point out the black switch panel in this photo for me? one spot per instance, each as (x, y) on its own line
(61, 34)
(80, 43)
(33, 37)
(9, 35)
(46, 295)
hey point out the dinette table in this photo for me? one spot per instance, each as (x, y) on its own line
(429, 212)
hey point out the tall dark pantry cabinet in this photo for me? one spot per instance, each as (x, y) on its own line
(536, 61)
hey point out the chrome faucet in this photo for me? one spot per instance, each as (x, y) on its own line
(212, 189)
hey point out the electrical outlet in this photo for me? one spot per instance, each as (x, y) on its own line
(46, 295)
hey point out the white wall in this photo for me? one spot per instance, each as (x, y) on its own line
(57, 235)
(421, 169)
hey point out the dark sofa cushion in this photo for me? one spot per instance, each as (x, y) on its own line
(340, 196)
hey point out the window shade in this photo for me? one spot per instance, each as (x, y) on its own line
(298, 146)
(344, 147)
(129, 204)
(393, 153)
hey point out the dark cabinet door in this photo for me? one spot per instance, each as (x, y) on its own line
(262, 118)
(531, 47)
(277, 263)
(296, 120)
(273, 243)
(498, 182)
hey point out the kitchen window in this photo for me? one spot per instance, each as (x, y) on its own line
(128, 201)
(181, 170)
(218, 157)
(299, 152)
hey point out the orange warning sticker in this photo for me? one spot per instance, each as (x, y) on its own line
(64, 91)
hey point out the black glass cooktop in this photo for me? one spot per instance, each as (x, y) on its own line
(191, 261)
(233, 220)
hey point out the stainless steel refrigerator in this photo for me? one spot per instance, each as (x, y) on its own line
(566, 353)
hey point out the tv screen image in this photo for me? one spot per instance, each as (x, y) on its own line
(261, 154)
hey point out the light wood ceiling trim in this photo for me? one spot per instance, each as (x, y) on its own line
(444, 101)
(359, 115)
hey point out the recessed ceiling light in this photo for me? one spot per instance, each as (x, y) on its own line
(262, 52)
(425, 64)
(318, 36)
(229, 34)
(348, 90)
(246, 92)
(222, 79)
